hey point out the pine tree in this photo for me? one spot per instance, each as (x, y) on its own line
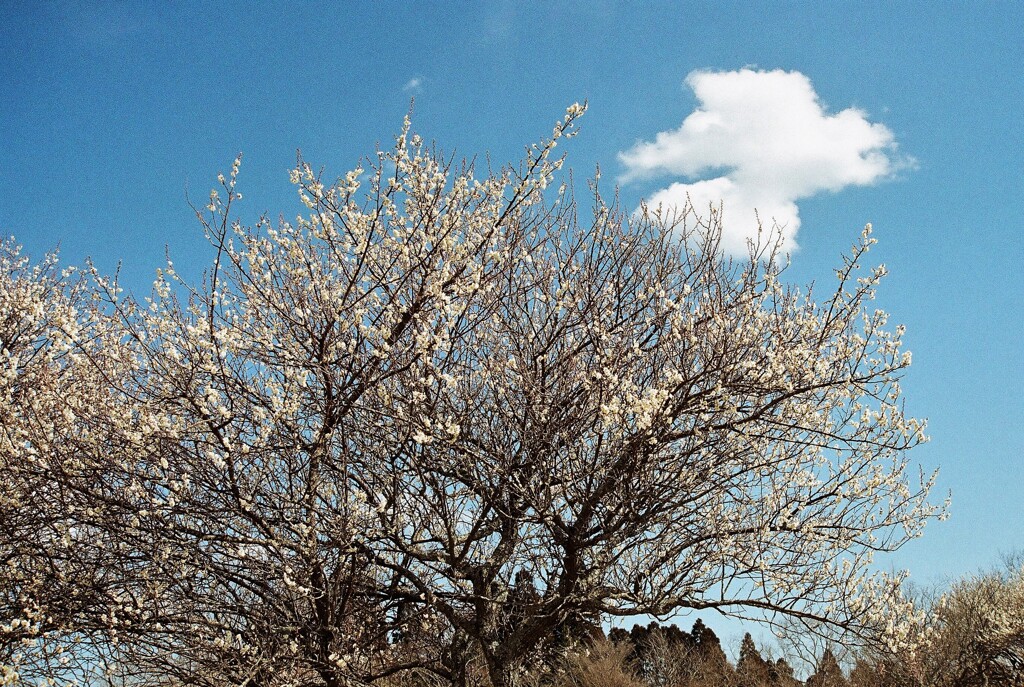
(866, 674)
(782, 674)
(828, 673)
(712, 667)
(751, 669)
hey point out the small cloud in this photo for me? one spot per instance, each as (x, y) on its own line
(413, 85)
(762, 141)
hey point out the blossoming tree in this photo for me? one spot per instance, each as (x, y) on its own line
(436, 420)
(969, 635)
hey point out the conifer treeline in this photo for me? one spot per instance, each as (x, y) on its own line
(667, 656)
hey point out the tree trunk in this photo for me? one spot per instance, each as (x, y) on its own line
(502, 674)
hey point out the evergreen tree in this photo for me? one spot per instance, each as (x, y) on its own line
(619, 635)
(867, 674)
(658, 652)
(711, 665)
(751, 669)
(782, 674)
(828, 673)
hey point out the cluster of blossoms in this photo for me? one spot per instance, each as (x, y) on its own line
(436, 415)
(971, 634)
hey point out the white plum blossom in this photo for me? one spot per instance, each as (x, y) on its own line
(431, 388)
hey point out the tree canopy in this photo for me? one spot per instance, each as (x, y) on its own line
(438, 417)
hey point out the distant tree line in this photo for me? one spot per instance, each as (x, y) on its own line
(667, 656)
(969, 635)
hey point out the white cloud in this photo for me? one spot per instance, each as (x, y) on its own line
(413, 85)
(761, 140)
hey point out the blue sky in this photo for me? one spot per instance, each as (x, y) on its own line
(111, 112)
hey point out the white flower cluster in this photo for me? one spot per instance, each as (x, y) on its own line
(426, 384)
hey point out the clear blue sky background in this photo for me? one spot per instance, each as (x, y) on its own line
(110, 112)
